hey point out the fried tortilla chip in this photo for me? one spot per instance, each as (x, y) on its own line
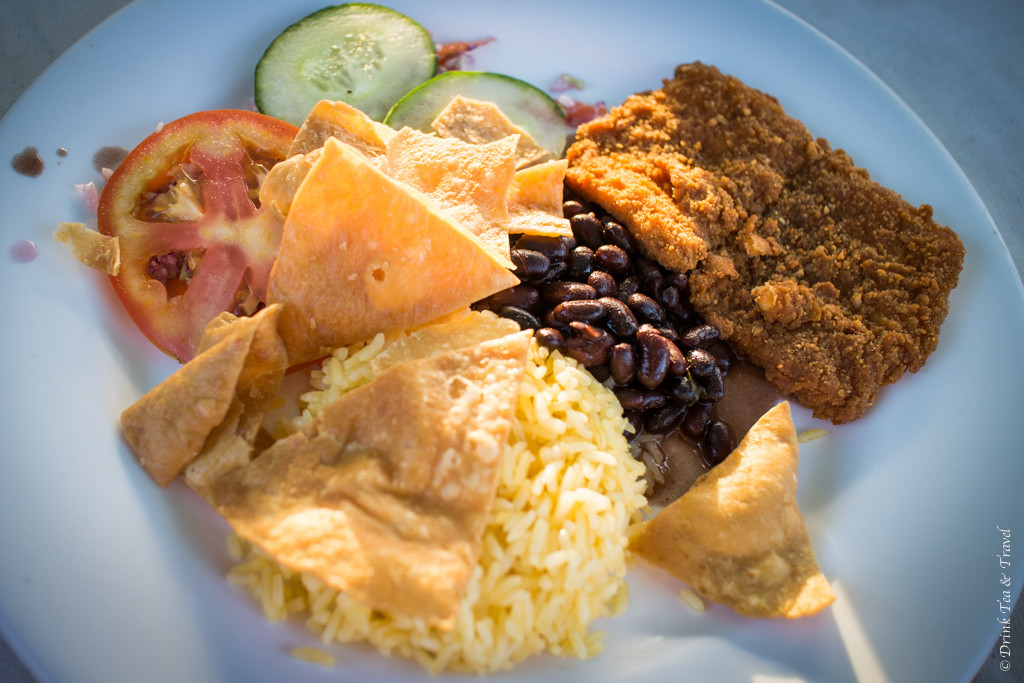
(224, 450)
(362, 253)
(342, 121)
(454, 332)
(282, 182)
(737, 536)
(385, 494)
(479, 122)
(263, 372)
(231, 444)
(535, 200)
(94, 249)
(232, 380)
(469, 182)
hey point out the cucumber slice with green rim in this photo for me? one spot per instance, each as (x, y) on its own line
(363, 54)
(524, 104)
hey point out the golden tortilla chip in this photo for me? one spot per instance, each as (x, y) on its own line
(362, 253)
(92, 248)
(456, 331)
(342, 121)
(535, 200)
(167, 427)
(469, 182)
(283, 181)
(231, 444)
(737, 536)
(385, 494)
(479, 122)
(232, 380)
(224, 450)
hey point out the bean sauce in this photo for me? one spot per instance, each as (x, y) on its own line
(27, 162)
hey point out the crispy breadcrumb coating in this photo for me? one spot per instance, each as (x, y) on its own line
(831, 283)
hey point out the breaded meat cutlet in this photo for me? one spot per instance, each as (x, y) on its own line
(832, 284)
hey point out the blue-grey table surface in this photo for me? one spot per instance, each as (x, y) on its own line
(959, 64)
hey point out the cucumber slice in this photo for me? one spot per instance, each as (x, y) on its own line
(363, 54)
(526, 105)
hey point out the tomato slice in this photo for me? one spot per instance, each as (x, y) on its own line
(184, 205)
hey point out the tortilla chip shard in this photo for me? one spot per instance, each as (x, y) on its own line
(479, 122)
(385, 494)
(362, 253)
(284, 179)
(98, 251)
(737, 536)
(340, 120)
(535, 200)
(168, 427)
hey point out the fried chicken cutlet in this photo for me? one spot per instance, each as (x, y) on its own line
(832, 284)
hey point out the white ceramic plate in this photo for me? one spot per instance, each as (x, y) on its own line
(104, 577)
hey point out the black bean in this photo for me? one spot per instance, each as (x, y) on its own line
(555, 293)
(621, 321)
(571, 207)
(524, 318)
(552, 247)
(602, 282)
(724, 356)
(669, 297)
(668, 332)
(699, 336)
(550, 321)
(633, 398)
(612, 259)
(677, 280)
(663, 419)
(580, 262)
(551, 338)
(579, 310)
(685, 389)
(529, 264)
(557, 271)
(696, 420)
(622, 363)
(587, 230)
(676, 359)
(615, 234)
(714, 385)
(700, 362)
(589, 345)
(645, 308)
(646, 269)
(653, 286)
(683, 317)
(629, 286)
(521, 296)
(717, 443)
(652, 357)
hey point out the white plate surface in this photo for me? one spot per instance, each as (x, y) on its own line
(104, 577)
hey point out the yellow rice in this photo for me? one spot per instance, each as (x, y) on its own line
(554, 550)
